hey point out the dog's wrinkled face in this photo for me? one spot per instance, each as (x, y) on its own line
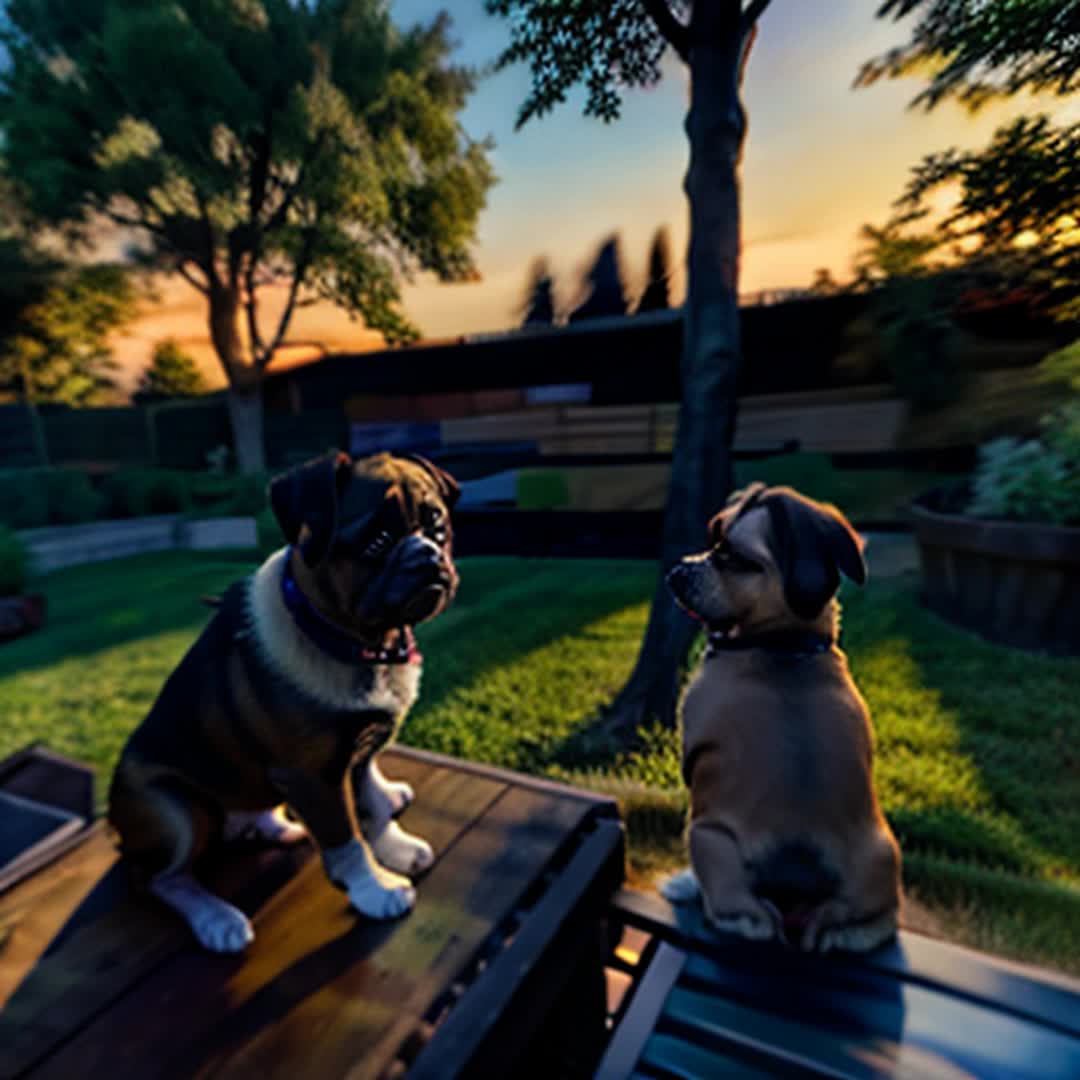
(374, 536)
(774, 562)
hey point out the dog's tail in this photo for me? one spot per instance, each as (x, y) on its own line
(794, 878)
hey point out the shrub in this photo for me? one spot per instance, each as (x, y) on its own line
(14, 563)
(1033, 479)
(71, 498)
(141, 492)
(225, 495)
(31, 498)
(24, 502)
(268, 532)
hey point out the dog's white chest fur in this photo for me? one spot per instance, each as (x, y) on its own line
(330, 682)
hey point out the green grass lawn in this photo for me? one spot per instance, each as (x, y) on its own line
(978, 760)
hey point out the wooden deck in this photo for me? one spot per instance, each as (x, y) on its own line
(505, 934)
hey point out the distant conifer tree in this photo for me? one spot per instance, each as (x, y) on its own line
(604, 280)
(657, 296)
(539, 303)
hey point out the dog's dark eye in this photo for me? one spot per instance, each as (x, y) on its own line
(434, 521)
(726, 558)
(378, 545)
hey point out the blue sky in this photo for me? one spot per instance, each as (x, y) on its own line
(821, 160)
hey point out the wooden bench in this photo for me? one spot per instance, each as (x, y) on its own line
(705, 1005)
(497, 972)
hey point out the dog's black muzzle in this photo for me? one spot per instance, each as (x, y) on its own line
(421, 580)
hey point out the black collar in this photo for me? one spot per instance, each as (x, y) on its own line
(790, 642)
(326, 637)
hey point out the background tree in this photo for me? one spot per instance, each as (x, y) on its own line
(54, 344)
(657, 294)
(975, 51)
(539, 306)
(315, 146)
(607, 46)
(824, 284)
(171, 373)
(606, 294)
(1017, 208)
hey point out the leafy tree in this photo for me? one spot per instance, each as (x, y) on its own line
(656, 296)
(56, 344)
(1017, 208)
(606, 46)
(824, 284)
(889, 252)
(604, 281)
(976, 51)
(172, 373)
(539, 306)
(250, 142)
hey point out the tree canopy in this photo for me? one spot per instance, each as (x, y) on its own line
(171, 373)
(657, 293)
(1016, 212)
(604, 282)
(975, 51)
(57, 320)
(247, 142)
(539, 306)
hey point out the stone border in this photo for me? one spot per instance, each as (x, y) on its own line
(59, 546)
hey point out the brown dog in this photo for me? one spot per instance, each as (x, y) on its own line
(303, 674)
(786, 837)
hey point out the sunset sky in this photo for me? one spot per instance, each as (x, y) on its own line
(821, 160)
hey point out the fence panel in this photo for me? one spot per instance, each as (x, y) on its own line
(292, 439)
(185, 433)
(20, 442)
(97, 436)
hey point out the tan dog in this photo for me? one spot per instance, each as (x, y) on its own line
(786, 837)
(303, 674)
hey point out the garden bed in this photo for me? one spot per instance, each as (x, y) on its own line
(1017, 583)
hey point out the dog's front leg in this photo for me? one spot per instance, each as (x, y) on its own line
(377, 801)
(326, 809)
(719, 867)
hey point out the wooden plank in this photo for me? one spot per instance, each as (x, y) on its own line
(671, 1057)
(37, 773)
(32, 915)
(596, 866)
(118, 944)
(603, 804)
(641, 1015)
(925, 1001)
(178, 990)
(353, 1020)
(832, 1021)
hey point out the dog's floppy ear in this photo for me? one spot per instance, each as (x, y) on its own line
(816, 544)
(308, 495)
(449, 490)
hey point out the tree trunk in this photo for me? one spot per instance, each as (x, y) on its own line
(702, 473)
(245, 380)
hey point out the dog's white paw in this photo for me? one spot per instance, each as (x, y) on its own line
(749, 925)
(399, 850)
(681, 888)
(373, 891)
(268, 826)
(400, 794)
(223, 929)
(216, 924)
(860, 939)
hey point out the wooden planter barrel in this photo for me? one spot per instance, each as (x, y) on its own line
(1014, 583)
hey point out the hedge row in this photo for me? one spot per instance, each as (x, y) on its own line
(31, 498)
